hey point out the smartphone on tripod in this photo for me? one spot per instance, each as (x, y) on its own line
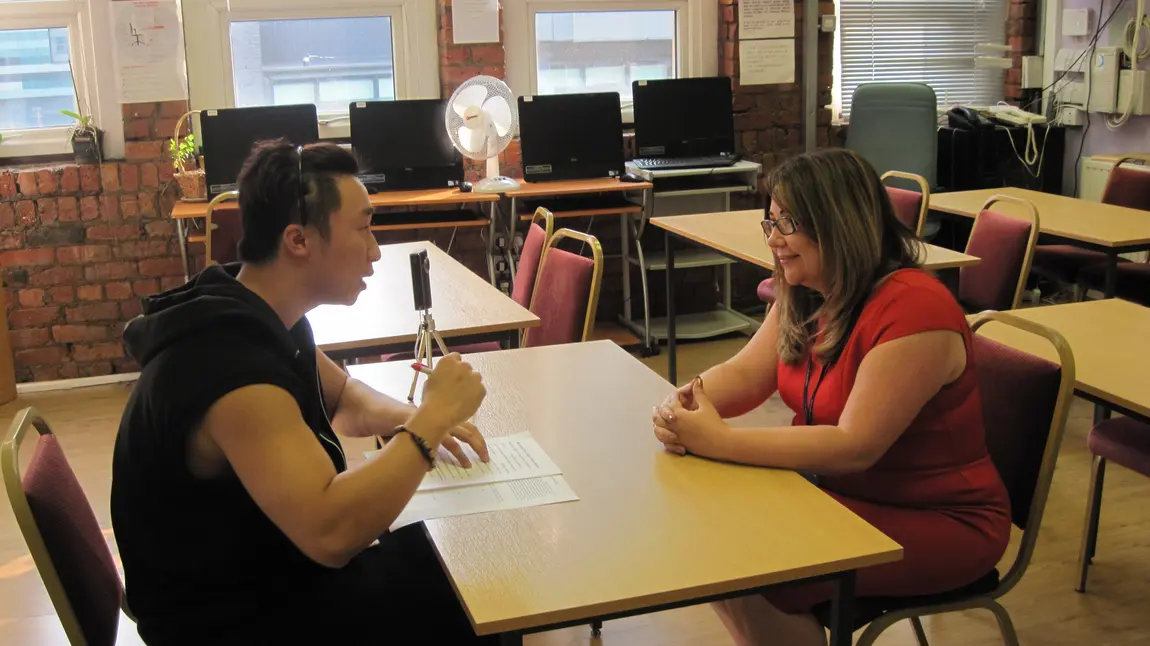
(421, 280)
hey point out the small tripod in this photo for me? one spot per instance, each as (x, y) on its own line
(424, 350)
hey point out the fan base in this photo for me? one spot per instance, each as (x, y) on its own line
(498, 184)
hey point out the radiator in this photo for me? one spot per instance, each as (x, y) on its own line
(1092, 179)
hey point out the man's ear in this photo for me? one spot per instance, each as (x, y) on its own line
(295, 241)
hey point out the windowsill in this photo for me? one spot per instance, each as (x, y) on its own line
(35, 145)
(36, 162)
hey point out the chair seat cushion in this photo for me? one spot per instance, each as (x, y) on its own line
(766, 291)
(1063, 262)
(1124, 441)
(470, 348)
(867, 609)
(1133, 282)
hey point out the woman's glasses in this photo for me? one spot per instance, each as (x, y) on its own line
(302, 188)
(785, 225)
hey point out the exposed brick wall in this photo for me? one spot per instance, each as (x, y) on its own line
(80, 244)
(1021, 29)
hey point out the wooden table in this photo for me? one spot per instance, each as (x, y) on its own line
(1102, 227)
(1110, 344)
(442, 197)
(466, 308)
(650, 531)
(739, 235)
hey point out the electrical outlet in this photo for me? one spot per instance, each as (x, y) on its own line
(501, 266)
(1076, 22)
(500, 242)
(1069, 116)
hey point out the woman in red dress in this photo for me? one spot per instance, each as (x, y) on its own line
(873, 355)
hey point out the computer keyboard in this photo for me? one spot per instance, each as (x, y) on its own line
(670, 163)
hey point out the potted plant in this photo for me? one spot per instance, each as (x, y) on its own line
(85, 138)
(189, 175)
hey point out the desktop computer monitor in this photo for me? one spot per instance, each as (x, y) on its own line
(404, 146)
(686, 117)
(571, 136)
(227, 137)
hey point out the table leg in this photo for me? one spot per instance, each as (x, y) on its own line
(843, 609)
(510, 639)
(670, 275)
(491, 227)
(1111, 275)
(182, 238)
(1101, 413)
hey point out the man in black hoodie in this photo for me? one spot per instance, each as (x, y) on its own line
(236, 517)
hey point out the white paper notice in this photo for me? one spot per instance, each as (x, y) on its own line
(479, 499)
(763, 62)
(513, 457)
(475, 21)
(148, 50)
(766, 19)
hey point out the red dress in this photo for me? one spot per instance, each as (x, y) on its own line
(935, 491)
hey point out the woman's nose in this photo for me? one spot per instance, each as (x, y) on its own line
(776, 239)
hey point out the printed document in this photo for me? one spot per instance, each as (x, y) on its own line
(478, 499)
(513, 457)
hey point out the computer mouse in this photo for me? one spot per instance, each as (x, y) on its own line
(631, 177)
(465, 187)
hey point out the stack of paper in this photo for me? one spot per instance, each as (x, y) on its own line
(519, 474)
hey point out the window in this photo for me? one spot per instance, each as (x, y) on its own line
(277, 53)
(925, 41)
(603, 45)
(46, 65)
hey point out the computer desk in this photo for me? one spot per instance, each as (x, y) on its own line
(442, 197)
(576, 192)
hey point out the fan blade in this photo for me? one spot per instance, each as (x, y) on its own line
(468, 96)
(473, 141)
(500, 112)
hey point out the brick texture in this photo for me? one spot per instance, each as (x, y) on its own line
(1021, 31)
(78, 244)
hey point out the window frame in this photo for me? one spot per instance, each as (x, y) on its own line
(696, 36)
(414, 26)
(84, 56)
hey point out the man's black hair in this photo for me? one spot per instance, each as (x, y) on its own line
(270, 190)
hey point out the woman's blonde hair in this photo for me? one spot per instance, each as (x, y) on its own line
(837, 199)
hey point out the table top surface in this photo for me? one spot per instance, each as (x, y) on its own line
(576, 186)
(431, 197)
(739, 234)
(1067, 217)
(462, 303)
(1109, 342)
(649, 528)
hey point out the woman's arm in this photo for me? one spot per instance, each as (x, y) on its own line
(743, 382)
(894, 381)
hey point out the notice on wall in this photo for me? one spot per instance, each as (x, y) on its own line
(475, 21)
(765, 62)
(148, 51)
(766, 19)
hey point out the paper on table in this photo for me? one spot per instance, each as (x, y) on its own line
(513, 457)
(463, 501)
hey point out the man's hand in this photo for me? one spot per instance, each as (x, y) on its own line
(452, 394)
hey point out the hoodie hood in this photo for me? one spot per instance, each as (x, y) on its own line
(214, 303)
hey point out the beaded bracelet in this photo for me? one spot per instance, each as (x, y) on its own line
(420, 444)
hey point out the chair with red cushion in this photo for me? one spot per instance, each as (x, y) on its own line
(224, 231)
(909, 206)
(526, 273)
(1121, 440)
(1005, 245)
(1128, 186)
(566, 292)
(1025, 403)
(63, 535)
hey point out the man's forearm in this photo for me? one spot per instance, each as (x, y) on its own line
(363, 411)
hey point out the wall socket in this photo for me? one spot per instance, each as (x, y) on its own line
(1069, 116)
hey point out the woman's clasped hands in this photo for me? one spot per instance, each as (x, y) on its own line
(687, 422)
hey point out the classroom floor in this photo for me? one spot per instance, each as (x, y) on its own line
(1045, 608)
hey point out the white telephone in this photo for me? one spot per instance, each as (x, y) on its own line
(1016, 116)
